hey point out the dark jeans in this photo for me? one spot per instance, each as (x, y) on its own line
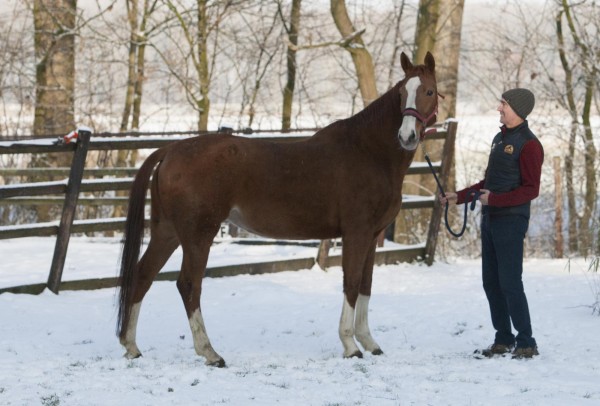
(502, 268)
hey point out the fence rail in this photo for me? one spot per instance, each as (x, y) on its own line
(74, 184)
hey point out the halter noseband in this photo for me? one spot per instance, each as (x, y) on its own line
(409, 111)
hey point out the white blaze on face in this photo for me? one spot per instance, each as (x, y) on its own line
(408, 131)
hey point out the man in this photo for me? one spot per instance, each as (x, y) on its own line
(511, 182)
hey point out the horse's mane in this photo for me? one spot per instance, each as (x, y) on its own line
(385, 110)
(384, 107)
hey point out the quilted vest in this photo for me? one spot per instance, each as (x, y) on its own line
(503, 170)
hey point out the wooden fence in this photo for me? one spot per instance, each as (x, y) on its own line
(69, 191)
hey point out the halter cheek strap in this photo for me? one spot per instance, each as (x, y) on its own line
(409, 111)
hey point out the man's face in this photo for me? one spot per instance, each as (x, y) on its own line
(508, 117)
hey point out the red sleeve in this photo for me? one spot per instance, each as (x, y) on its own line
(462, 194)
(530, 164)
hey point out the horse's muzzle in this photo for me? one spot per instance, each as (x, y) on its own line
(409, 142)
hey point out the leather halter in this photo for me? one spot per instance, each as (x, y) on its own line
(409, 111)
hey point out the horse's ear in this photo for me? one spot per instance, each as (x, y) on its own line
(430, 62)
(405, 62)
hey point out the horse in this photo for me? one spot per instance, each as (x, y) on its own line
(344, 181)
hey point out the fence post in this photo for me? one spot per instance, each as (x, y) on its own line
(69, 206)
(436, 215)
(323, 253)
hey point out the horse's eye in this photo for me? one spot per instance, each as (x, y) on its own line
(430, 92)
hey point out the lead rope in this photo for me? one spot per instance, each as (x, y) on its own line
(474, 193)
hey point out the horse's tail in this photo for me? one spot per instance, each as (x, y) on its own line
(133, 235)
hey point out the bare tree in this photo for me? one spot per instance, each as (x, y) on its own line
(54, 42)
(191, 52)
(427, 28)
(17, 75)
(439, 25)
(292, 33)
(139, 33)
(398, 13)
(363, 63)
(54, 23)
(581, 76)
(257, 43)
(136, 62)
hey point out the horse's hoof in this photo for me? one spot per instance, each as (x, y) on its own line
(132, 355)
(377, 351)
(220, 363)
(355, 354)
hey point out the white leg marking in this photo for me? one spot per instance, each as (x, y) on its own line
(363, 334)
(201, 341)
(347, 331)
(129, 340)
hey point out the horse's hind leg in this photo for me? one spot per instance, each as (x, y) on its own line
(163, 242)
(189, 283)
(361, 324)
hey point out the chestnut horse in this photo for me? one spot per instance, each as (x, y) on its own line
(345, 181)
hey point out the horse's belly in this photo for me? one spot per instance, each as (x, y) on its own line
(272, 223)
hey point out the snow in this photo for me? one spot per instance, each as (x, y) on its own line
(278, 335)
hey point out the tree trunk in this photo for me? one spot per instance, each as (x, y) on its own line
(410, 224)
(427, 29)
(202, 69)
(135, 79)
(363, 63)
(132, 18)
(443, 40)
(288, 91)
(590, 153)
(447, 51)
(569, 159)
(397, 18)
(264, 58)
(582, 234)
(361, 57)
(54, 43)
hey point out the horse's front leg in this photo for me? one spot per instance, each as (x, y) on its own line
(361, 323)
(356, 253)
(346, 329)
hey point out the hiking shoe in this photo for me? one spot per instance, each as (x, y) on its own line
(525, 352)
(495, 349)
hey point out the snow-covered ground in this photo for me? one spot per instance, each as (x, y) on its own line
(278, 335)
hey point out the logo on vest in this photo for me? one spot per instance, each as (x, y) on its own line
(509, 149)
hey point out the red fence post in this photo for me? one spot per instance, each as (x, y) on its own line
(69, 206)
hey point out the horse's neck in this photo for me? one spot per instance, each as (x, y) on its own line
(374, 129)
(378, 123)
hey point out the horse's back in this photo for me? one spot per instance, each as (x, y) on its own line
(272, 188)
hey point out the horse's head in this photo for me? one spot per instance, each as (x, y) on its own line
(419, 100)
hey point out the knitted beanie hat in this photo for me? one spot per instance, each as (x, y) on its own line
(520, 100)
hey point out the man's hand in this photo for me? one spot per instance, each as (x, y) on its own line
(450, 197)
(485, 195)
